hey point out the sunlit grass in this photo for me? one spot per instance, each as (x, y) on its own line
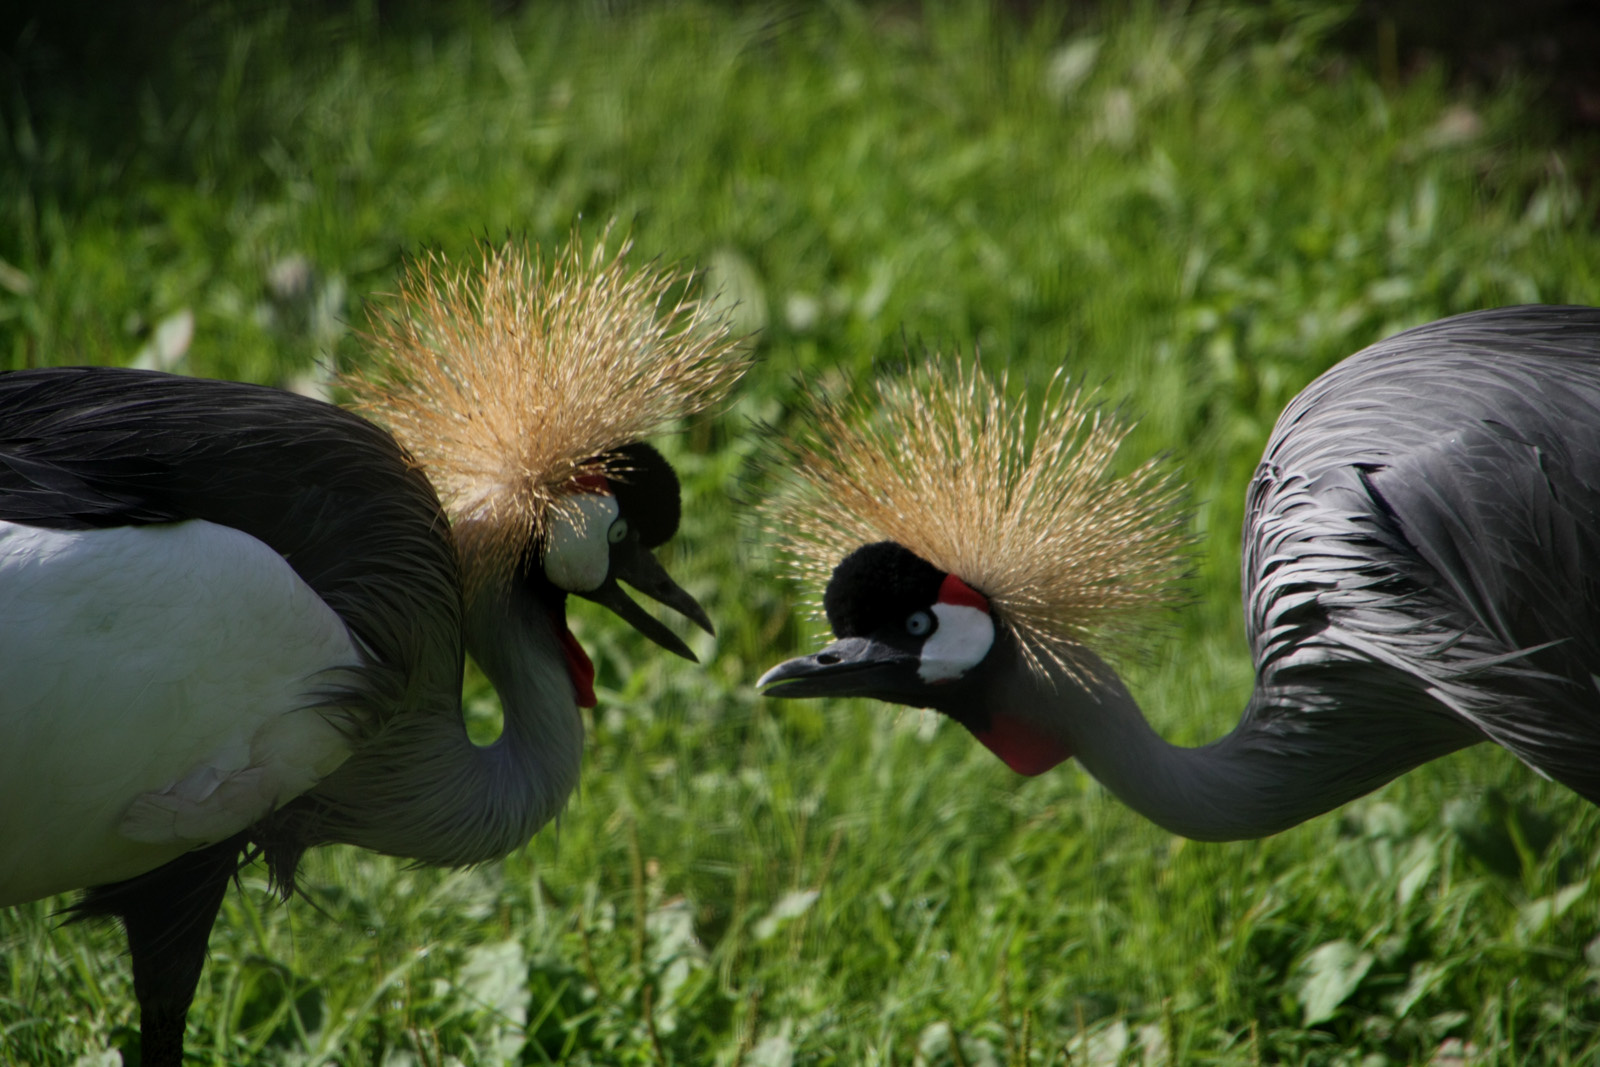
(1196, 213)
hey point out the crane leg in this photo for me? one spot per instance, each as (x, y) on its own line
(167, 914)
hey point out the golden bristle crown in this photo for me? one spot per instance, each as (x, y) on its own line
(511, 379)
(1068, 552)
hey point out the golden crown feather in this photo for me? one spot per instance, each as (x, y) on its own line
(1068, 552)
(513, 378)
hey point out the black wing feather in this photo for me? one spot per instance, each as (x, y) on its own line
(94, 447)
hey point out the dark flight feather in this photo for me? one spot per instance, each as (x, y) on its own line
(93, 447)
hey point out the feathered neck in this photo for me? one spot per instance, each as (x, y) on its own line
(424, 791)
(1270, 773)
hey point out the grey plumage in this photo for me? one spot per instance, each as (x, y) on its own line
(1422, 547)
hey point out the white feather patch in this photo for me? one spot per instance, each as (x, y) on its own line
(579, 554)
(154, 692)
(964, 637)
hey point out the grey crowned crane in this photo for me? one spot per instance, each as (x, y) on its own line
(1421, 572)
(234, 621)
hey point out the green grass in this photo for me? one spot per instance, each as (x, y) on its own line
(1194, 212)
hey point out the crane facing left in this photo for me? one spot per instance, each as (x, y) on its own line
(234, 620)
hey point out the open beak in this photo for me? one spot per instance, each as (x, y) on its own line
(635, 565)
(853, 666)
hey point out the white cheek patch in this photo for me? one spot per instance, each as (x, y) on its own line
(964, 637)
(578, 556)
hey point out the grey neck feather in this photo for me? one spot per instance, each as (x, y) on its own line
(421, 788)
(1306, 754)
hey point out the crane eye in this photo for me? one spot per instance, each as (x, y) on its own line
(919, 624)
(618, 531)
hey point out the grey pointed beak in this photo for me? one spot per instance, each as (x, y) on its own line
(636, 566)
(853, 666)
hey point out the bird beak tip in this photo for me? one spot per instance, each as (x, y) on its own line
(645, 574)
(772, 682)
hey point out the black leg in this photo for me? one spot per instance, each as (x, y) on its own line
(167, 913)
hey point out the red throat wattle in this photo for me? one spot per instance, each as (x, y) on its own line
(1024, 747)
(579, 668)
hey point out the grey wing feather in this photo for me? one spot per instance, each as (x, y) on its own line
(1428, 512)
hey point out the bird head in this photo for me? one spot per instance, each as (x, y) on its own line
(524, 389)
(604, 535)
(961, 540)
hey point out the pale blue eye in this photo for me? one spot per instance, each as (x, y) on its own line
(618, 531)
(919, 624)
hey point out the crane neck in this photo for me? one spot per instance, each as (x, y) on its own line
(423, 790)
(518, 640)
(1296, 753)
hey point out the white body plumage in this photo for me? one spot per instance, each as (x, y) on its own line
(191, 633)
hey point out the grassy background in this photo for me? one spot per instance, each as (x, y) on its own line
(1195, 211)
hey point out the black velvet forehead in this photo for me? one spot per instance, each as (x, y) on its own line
(646, 488)
(878, 585)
